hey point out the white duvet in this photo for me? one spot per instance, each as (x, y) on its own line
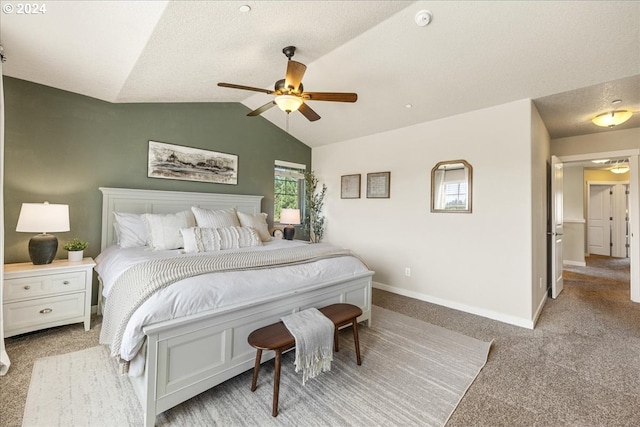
(213, 290)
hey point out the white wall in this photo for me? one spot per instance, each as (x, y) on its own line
(574, 218)
(597, 142)
(573, 202)
(479, 262)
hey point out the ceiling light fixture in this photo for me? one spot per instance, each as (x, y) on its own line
(244, 8)
(288, 103)
(620, 169)
(612, 118)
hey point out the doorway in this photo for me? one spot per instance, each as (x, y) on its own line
(632, 238)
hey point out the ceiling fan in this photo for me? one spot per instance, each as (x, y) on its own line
(289, 92)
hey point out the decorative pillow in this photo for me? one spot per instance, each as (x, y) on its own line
(163, 230)
(215, 219)
(259, 222)
(202, 239)
(131, 231)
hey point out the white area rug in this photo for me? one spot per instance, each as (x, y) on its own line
(412, 373)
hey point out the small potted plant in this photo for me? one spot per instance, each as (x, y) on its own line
(76, 248)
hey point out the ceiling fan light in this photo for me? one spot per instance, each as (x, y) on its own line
(612, 118)
(288, 103)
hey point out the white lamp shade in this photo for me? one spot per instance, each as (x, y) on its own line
(43, 217)
(290, 216)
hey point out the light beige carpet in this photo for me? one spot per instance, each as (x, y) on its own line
(412, 373)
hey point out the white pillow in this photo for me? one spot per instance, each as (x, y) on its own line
(131, 231)
(163, 230)
(215, 219)
(258, 221)
(202, 239)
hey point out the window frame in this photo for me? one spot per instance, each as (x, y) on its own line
(289, 170)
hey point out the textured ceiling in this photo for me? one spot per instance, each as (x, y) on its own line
(572, 58)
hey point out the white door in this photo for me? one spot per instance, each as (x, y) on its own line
(599, 220)
(619, 226)
(556, 230)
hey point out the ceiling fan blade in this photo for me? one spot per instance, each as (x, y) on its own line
(255, 89)
(262, 109)
(306, 111)
(330, 96)
(295, 71)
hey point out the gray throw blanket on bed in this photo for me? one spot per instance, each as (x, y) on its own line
(313, 332)
(140, 281)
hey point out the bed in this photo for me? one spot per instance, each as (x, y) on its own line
(181, 357)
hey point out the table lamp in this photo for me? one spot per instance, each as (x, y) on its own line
(289, 217)
(43, 218)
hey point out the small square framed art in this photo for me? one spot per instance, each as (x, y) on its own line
(378, 185)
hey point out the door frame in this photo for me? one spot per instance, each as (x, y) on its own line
(634, 202)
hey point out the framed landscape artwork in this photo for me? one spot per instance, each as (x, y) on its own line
(170, 161)
(350, 186)
(378, 185)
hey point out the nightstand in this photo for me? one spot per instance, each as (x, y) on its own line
(42, 296)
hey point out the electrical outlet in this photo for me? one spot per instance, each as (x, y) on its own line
(407, 272)
(540, 282)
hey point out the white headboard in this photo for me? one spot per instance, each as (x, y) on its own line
(157, 201)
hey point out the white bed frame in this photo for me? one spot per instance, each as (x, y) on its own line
(187, 356)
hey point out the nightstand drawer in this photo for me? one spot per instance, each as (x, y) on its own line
(36, 286)
(25, 316)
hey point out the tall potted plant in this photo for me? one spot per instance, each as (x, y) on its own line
(314, 202)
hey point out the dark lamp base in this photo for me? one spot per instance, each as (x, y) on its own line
(289, 232)
(43, 248)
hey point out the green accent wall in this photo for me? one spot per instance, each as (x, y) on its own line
(61, 146)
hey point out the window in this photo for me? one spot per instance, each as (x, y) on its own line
(288, 191)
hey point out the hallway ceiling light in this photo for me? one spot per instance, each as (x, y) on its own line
(612, 118)
(620, 169)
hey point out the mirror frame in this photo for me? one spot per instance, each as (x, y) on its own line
(469, 186)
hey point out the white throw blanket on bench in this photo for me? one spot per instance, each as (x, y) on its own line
(313, 332)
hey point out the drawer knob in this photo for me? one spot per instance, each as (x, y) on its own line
(26, 288)
(66, 282)
(46, 310)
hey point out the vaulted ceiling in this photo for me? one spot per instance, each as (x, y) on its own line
(572, 58)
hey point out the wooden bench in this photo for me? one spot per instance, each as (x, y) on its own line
(277, 337)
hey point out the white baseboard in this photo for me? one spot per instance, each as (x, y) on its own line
(539, 310)
(512, 320)
(575, 263)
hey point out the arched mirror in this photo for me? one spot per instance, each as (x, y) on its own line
(451, 185)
